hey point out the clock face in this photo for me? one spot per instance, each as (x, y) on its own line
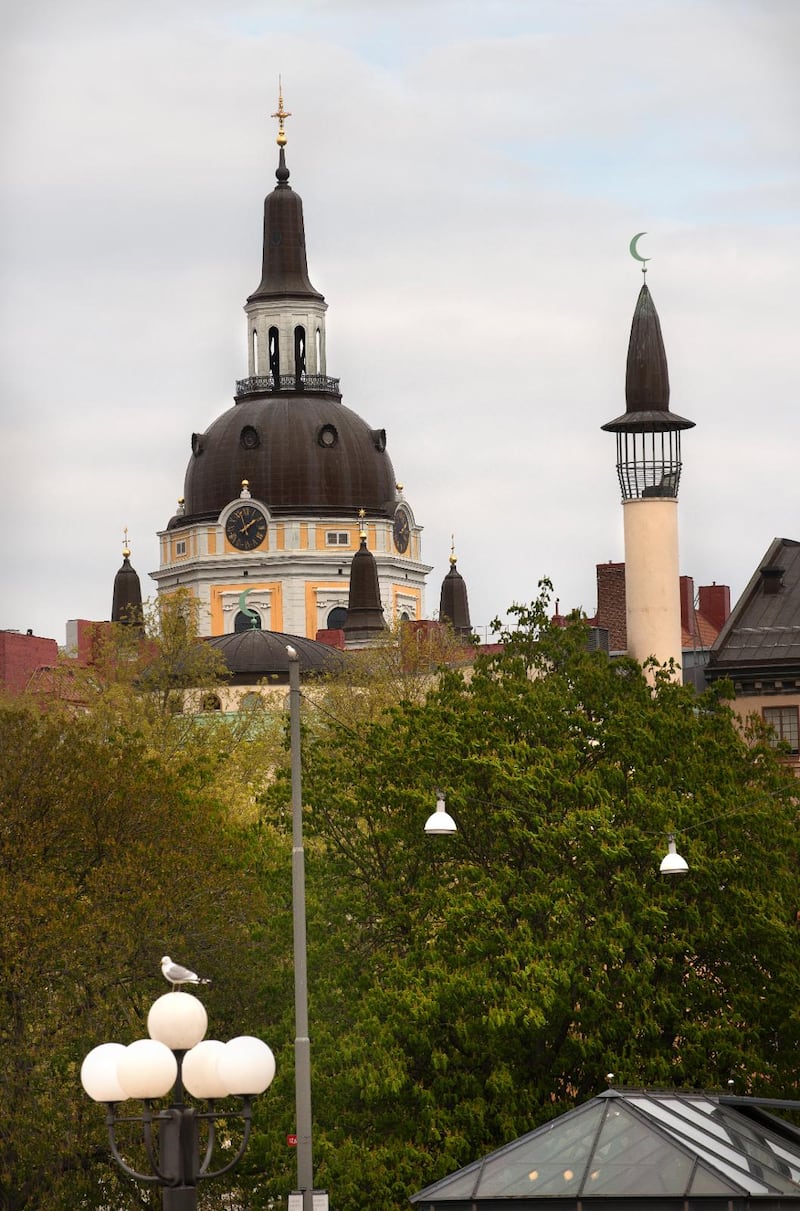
(246, 528)
(402, 531)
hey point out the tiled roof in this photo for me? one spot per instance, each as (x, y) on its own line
(763, 630)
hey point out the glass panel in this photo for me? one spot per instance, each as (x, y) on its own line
(550, 1161)
(630, 1158)
(705, 1182)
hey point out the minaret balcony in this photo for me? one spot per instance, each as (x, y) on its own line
(649, 464)
(258, 384)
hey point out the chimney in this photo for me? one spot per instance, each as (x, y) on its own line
(715, 604)
(771, 580)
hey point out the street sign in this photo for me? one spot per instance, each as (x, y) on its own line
(291, 1141)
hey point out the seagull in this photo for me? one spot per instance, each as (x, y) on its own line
(176, 975)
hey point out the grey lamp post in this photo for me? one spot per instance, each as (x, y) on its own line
(302, 1043)
(176, 1058)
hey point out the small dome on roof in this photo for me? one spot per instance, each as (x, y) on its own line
(253, 654)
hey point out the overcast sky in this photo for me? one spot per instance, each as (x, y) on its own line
(472, 172)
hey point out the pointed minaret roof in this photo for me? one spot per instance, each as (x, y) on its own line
(365, 619)
(646, 376)
(453, 603)
(284, 268)
(126, 606)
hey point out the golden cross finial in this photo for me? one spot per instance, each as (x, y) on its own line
(125, 545)
(362, 525)
(281, 114)
(452, 549)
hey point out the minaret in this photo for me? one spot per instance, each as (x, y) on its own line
(453, 603)
(126, 606)
(649, 468)
(365, 622)
(285, 314)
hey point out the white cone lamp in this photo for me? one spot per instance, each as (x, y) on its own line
(672, 863)
(440, 823)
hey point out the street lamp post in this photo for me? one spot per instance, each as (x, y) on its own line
(302, 1043)
(439, 822)
(177, 1058)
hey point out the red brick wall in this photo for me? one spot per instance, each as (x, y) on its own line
(21, 656)
(611, 604)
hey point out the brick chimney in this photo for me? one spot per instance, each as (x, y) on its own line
(715, 604)
(611, 604)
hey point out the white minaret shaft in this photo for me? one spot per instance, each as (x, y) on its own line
(652, 579)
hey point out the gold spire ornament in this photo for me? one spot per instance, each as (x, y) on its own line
(453, 560)
(126, 550)
(281, 114)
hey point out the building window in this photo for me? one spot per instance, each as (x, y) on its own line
(337, 538)
(210, 702)
(337, 618)
(784, 722)
(180, 547)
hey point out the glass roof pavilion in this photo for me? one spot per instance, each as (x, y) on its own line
(631, 1149)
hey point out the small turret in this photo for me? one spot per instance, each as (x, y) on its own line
(126, 606)
(365, 622)
(453, 603)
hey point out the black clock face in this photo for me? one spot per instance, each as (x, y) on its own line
(246, 528)
(401, 531)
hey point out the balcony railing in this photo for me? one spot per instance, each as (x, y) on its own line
(258, 383)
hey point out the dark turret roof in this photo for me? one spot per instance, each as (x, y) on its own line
(284, 268)
(126, 605)
(364, 610)
(647, 376)
(453, 603)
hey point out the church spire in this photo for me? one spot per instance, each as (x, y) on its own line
(284, 269)
(285, 314)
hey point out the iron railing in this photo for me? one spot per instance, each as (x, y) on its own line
(286, 382)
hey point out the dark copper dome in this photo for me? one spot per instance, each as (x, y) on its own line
(301, 453)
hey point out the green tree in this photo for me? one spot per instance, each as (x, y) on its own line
(465, 988)
(112, 853)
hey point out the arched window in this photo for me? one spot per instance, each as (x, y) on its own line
(255, 352)
(211, 702)
(320, 367)
(274, 354)
(299, 350)
(251, 621)
(336, 618)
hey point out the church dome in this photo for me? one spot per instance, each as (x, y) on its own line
(302, 453)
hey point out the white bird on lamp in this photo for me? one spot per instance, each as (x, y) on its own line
(176, 975)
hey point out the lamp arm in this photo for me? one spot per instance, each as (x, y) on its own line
(212, 1135)
(246, 1114)
(146, 1121)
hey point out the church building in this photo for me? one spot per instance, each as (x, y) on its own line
(286, 486)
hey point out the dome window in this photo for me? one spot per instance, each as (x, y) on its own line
(198, 444)
(379, 439)
(328, 436)
(249, 438)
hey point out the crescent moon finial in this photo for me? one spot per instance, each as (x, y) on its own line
(635, 252)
